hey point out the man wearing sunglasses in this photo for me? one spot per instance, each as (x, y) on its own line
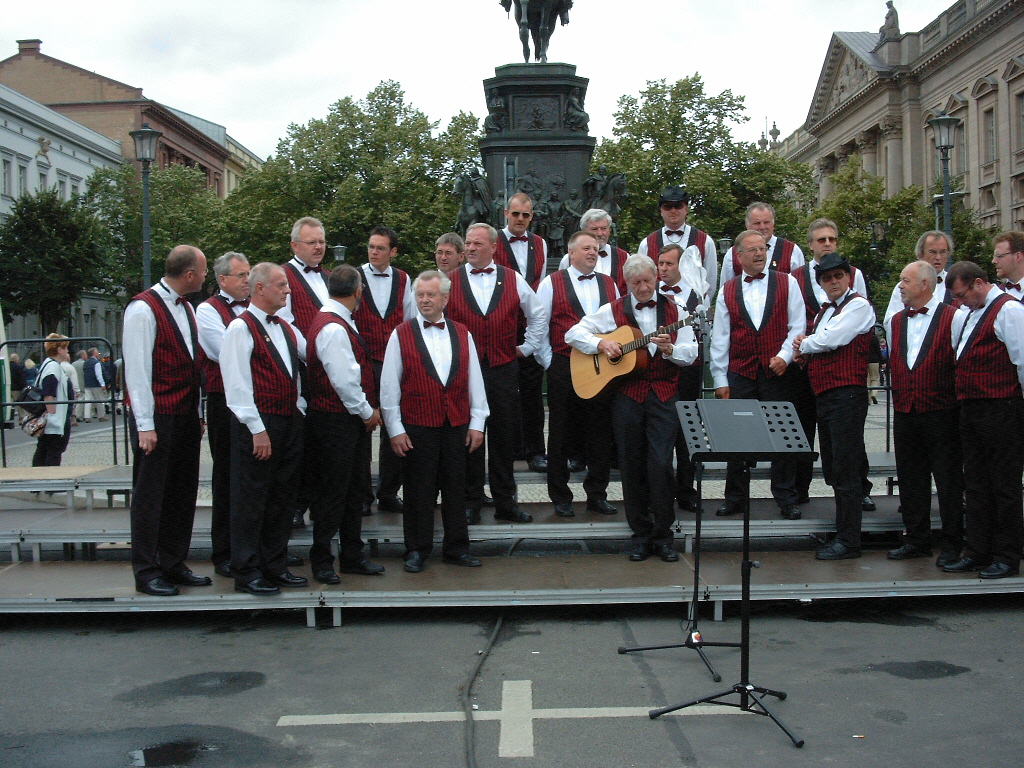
(674, 206)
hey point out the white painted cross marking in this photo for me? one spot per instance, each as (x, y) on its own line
(516, 717)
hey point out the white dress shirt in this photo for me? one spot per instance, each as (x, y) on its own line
(482, 285)
(796, 259)
(755, 295)
(1008, 327)
(581, 335)
(916, 328)
(334, 350)
(380, 288)
(439, 346)
(819, 293)
(521, 251)
(1017, 293)
(834, 331)
(314, 280)
(710, 262)
(586, 291)
(896, 303)
(139, 338)
(236, 370)
(211, 327)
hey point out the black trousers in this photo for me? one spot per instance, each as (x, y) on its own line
(992, 439)
(592, 420)
(501, 383)
(263, 496)
(691, 387)
(768, 387)
(218, 431)
(437, 462)
(841, 415)
(531, 397)
(807, 411)
(928, 445)
(50, 448)
(164, 496)
(390, 467)
(338, 448)
(646, 434)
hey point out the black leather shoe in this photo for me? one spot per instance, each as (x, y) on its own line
(725, 511)
(946, 558)
(538, 463)
(298, 521)
(390, 504)
(639, 552)
(998, 571)
(804, 499)
(790, 512)
(601, 506)
(667, 553)
(259, 587)
(287, 579)
(473, 516)
(224, 569)
(327, 576)
(488, 501)
(836, 551)
(908, 552)
(514, 515)
(158, 588)
(188, 579)
(414, 562)
(965, 565)
(575, 465)
(867, 505)
(466, 560)
(689, 505)
(293, 560)
(564, 509)
(362, 568)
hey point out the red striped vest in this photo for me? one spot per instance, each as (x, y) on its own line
(211, 371)
(176, 374)
(656, 241)
(660, 375)
(846, 366)
(566, 309)
(751, 349)
(984, 369)
(305, 303)
(425, 400)
(322, 395)
(494, 332)
(376, 323)
(781, 261)
(274, 390)
(805, 278)
(535, 262)
(931, 384)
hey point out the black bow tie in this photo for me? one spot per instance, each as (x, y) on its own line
(1006, 287)
(179, 300)
(238, 302)
(911, 311)
(674, 232)
(671, 289)
(271, 319)
(591, 276)
(938, 279)
(520, 239)
(439, 325)
(311, 269)
(484, 271)
(379, 274)
(647, 304)
(752, 278)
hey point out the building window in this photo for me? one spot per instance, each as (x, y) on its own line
(42, 180)
(989, 123)
(1020, 121)
(5, 178)
(74, 190)
(22, 179)
(62, 189)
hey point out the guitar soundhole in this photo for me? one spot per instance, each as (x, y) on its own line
(615, 360)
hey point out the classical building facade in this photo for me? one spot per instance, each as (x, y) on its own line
(877, 91)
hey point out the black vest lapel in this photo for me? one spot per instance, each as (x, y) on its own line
(926, 342)
(421, 348)
(500, 279)
(193, 329)
(309, 291)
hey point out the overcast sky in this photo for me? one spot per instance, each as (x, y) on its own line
(259, 65)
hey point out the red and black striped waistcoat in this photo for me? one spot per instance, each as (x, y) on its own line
(176, 374)
(426, 401)
(535, 262)
(660, 375)
(274, 390)
(805, 278)
(213, 380)
(781, 261)
(984, 369)
(931, 384)
(751, 349)
(656, 241)
(376, 323)
(494, 332)
(566, 309)
(322, 395)
(305, 303)
(845, 366)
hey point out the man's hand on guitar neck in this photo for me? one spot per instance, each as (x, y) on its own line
(664, 343)
(611, 349)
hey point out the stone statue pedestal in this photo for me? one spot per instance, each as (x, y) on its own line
(537, 139)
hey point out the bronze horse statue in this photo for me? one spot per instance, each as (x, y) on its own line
(536, 18)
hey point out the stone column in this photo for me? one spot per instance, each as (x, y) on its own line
(867, 146)
(826, 167)
(892, 147)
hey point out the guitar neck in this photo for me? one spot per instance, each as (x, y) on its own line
(643, 341)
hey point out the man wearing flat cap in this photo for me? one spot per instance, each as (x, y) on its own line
(674, 206)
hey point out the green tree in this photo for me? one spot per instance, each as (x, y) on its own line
(372, 161)
(679, 134)
(51, 252)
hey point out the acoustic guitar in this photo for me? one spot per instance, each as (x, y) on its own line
(593, 374)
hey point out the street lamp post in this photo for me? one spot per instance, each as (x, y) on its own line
(339, 253)
(944, 127)
(145, 152)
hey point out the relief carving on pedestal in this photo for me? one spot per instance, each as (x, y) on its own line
(536, 113)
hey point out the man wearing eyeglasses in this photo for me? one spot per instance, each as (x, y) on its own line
(1008, 256)
(758, 315)
(674, 206)
(989, 346)
(935, 248)
(162, 378)
(212, 318)
(836, 354)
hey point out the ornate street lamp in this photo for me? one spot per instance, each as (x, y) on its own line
(339, 253)
(145, 152)
(944, 127)
(724, 244)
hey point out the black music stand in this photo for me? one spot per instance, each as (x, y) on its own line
(747, 431)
